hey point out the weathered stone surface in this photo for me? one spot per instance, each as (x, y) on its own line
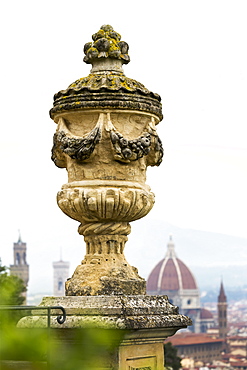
(108, 202)
(106, 189)
(106, 138)
(106, 87)
(106, 44)
(142, 322)
(122, 312)
(96, 146)
(96, 276)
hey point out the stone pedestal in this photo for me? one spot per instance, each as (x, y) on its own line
(145, 322)
(106, 138)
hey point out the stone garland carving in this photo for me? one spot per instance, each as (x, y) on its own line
(56, 154)
(126, 150)
(158, 149)
(130, 150)
(76, 148)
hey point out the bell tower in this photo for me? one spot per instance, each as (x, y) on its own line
(60, 275)
(20, 267)
(222, 312)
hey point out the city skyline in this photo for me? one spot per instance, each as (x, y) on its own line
(207, 270)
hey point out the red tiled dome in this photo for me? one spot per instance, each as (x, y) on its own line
(170, 274)
(205, 314)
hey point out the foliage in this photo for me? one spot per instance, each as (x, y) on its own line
(11, 288)
(171, 358)
(46, 348)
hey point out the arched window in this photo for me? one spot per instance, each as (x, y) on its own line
(18, 259)
(60, 285)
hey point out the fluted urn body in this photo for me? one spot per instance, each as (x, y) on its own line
(106, 137)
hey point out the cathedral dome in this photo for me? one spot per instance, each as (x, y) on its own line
(206, 314)
(170, 274)
(173, 278)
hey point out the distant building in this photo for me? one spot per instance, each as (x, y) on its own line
(237, 346)
(206, 320)
(222, 313)
(60, 275)
(202, 348)
(236, 354)
(20, 267)
(173, 278)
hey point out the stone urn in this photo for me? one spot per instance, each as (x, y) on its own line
(106, 138)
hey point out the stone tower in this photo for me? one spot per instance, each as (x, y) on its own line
(20, 267)
(60, 275)
(222, 312)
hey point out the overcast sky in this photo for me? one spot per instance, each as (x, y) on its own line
(192, 53)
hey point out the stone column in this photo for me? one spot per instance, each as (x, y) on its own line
(106, 138)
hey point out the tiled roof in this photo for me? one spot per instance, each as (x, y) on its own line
(190, 339)
(170, 274)
(205, 314)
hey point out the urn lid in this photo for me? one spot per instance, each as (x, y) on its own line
(106, 87)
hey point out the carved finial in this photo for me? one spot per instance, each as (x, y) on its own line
(106, 45)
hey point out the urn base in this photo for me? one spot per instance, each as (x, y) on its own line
(94, 279)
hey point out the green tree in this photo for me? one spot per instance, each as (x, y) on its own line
(171, 358)
(11, 288)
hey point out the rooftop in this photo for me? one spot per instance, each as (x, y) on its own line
(191, 338)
